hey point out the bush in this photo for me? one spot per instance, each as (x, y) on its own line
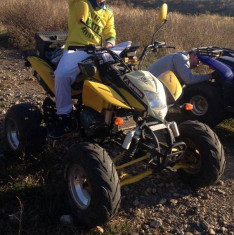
(23, 18)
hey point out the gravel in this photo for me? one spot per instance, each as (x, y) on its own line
(159, 204)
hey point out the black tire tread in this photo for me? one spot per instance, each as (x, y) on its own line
(211, 150)
(28, 119)
(105, 181)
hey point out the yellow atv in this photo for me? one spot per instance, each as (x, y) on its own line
(124, 108)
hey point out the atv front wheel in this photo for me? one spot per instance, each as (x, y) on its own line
(207, 103)
(93, 184)
(204, 160)
(23, 133)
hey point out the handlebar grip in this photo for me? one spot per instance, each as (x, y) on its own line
(75, 48)
(171, 47)
(165, 46)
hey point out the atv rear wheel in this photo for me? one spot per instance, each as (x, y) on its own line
(93, 184)
(204, 160)
(207, 103)
(23, 133)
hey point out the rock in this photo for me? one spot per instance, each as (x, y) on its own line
(163, 201)
(66, 219)
(136, 202)
(173, 202)
(145, 226)
(220, 182)
(195, 232)
(221, 191)
(211, 231)
(176, 195)
(154, 190)
(155, 223)
(100, 229)
(206, 196)
(223, 230)
(204, 224)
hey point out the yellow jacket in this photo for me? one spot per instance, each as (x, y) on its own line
(100, 20)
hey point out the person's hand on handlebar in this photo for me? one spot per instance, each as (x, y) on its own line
(110, 43)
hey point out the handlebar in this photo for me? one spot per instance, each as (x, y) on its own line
(88, 48)
(153, 47)
(158, 44)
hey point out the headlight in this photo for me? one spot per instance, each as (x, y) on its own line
(156, 100)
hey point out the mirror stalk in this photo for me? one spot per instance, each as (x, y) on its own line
(165, 21)
(145, 51)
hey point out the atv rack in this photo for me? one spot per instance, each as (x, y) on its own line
(212, 51)
(208, 51)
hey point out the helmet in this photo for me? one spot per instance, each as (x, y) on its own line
(100, 5)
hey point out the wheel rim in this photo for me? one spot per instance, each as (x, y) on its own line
(79, 186)
(13, 135)
(200, 105)
(192, 159)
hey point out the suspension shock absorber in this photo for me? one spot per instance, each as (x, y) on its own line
(131, 143)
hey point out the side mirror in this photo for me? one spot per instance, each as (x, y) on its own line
(82, 9)
(163, 14)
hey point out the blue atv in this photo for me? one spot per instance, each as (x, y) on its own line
(213, 101)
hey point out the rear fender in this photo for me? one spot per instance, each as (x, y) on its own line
(44, 70)
(46, 73)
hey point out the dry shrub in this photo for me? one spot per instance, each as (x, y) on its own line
(23, 18)
(186, 31)
(134, 24)
(182, 31)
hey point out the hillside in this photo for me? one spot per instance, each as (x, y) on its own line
(221, 7)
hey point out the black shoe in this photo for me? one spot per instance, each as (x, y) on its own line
(63, 126)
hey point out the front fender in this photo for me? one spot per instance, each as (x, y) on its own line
(224, 71)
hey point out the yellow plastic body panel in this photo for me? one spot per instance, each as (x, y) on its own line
(99, 96)
(132, 100)
(46, 72)
(172, 83)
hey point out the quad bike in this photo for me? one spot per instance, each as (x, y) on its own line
(121, 107)
(213, 100)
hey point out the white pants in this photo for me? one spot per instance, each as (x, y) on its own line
(65, 76)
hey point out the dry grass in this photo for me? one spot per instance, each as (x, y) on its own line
(185, 32)
(22, 20)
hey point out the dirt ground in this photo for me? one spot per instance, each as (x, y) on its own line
(160, 204)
